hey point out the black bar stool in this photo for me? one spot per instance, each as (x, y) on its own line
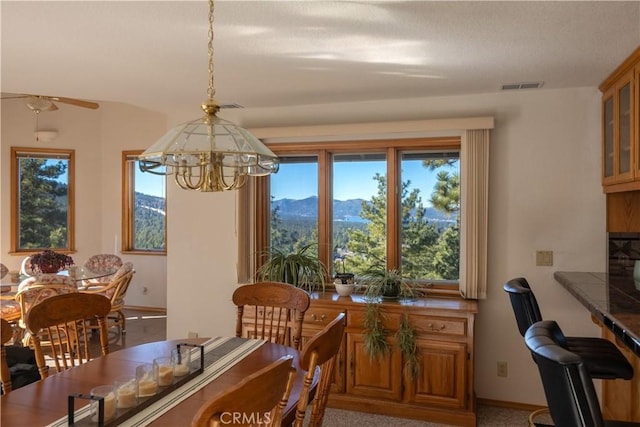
(601, 357)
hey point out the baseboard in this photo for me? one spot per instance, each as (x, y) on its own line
(510, 405)
(143, 308)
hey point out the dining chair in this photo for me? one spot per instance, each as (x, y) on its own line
(271, 311)
(320, 351)
(33, 290)
(115, 290)
(102, 263)
(258, 399)
(568, 385)
(65, 322)
(602, 358)
(6, 334)
(25, 267)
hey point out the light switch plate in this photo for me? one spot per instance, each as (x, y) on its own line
(544, 258)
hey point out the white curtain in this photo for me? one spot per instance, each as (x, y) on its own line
(474, 194)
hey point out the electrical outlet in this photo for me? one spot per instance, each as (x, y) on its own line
(544, 258)
(503, 369)
(192, 334)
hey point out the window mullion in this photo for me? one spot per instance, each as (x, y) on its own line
(325, 208)
(393, 209)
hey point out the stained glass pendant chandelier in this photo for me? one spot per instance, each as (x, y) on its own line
(209, 154)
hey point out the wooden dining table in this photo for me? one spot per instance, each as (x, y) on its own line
(45, 401)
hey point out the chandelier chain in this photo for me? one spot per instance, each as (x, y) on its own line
(211, 90)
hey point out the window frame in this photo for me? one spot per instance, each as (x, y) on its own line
(128, 188)
(69, 154)
(324, 151)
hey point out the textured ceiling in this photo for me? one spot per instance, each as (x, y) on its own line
(277, 53)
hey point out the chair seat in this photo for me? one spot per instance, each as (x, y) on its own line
(10, 310)
(601, 357)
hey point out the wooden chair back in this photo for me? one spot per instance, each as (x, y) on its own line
(6, 333)
(321, 350)
(258, 399)
(64, 322)
(271, 311)
(34, 290)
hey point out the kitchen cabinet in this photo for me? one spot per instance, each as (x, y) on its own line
(442, 392)
(620, 127)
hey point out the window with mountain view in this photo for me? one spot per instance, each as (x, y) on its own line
(144, 204)
(42, 199)
(393, 203)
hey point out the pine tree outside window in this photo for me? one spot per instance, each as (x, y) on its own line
(42, 199)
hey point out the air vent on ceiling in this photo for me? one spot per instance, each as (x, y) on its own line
(233, 105)
(528, 85)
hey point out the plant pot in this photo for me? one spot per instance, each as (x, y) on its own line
(390, 290)
(344, 289)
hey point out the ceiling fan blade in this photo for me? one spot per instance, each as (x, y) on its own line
(76, 102)
(14, 96)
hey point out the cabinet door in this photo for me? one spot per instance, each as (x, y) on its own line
(376, 378)
(607, 138)
(635, 147)
(624, 135)
(443, 374)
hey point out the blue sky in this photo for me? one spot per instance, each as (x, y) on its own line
(148, 183)
(299, 181)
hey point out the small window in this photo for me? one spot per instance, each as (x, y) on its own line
(144, 208)
(42, 199)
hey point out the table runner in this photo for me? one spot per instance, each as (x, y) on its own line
(225, 352)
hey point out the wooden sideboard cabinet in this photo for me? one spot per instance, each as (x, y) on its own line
(621, 126)
(443, 392)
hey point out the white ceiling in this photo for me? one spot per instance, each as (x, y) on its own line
(280, 53)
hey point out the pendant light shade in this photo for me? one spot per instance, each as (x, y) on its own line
(209, 154)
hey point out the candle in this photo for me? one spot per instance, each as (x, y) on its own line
(127, 396)
(147, 387)
(109, 408)
(181, 370)
(165, 375)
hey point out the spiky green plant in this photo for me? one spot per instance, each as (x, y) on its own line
(298, 268)
(375, 335)
(406, 339)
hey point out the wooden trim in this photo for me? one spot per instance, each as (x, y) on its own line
(509, 405)
(325, 210)
(127, 217)
(70, 154)
(365, 146)
(621, 70)
(393, 209)
(162, 310)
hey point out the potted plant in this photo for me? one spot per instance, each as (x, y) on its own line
(49, 261)
(382, 284)
(298, 268)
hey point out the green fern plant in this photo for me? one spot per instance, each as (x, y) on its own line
(298, 268)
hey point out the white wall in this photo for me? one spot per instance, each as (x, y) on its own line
(98, 138)
(544, 194)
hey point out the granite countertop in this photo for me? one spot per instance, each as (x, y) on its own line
(613, 300)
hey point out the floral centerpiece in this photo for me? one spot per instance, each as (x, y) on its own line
(49, 261)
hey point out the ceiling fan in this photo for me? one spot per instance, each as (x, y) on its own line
(40, 103)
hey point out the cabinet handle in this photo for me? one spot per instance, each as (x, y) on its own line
(316, 319)
(435, 328)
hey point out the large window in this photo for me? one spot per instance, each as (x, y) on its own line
(144, 215)
(394, 203)
(42, 199)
